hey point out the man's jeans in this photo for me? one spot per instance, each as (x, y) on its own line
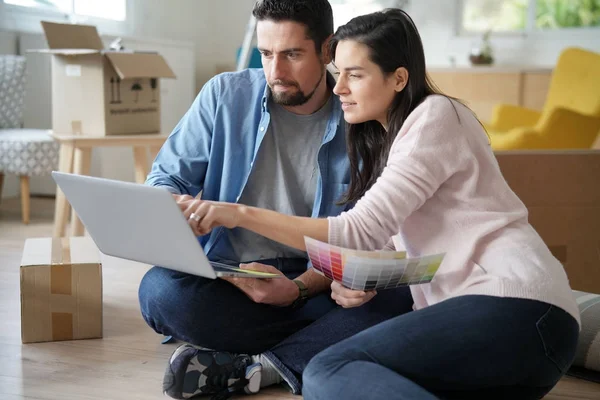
(468, 347)
(217, 315)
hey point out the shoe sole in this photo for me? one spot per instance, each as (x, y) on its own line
(171, 387)
(254, 376)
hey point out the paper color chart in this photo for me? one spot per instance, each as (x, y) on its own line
(367, 270)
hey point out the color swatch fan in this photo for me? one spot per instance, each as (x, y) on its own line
(368, 270)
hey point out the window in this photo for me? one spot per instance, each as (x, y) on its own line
(115, 10)
(345, 10)
(528, 15)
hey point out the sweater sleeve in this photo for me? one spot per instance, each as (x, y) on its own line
(425, 153)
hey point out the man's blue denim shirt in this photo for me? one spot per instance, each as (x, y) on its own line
(213, 148)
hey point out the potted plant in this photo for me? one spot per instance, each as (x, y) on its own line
(484, 54)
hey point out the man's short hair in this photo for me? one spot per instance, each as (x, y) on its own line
(316, 15)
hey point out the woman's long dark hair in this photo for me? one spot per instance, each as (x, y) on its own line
(393, 42)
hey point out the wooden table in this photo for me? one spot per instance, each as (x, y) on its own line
(76, 155)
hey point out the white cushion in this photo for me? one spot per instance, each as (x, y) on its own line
(30, 152)
(26, 135)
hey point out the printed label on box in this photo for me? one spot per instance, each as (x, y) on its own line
(73, 70)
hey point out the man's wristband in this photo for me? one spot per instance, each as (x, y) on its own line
(302, 295)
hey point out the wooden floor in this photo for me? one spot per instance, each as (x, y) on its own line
(128, 363)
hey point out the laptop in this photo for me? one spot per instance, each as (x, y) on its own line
(141, 223)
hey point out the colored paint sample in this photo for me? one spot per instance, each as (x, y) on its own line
(368, 270)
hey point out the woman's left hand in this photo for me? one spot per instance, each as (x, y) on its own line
(203, 216)
(349, 298)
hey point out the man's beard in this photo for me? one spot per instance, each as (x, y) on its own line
(293, 99)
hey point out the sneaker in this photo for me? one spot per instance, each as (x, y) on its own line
(195, 372)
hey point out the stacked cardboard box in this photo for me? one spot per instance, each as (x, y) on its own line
(98, 92)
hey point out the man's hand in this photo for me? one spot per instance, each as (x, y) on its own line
(277, 292)
(349, 298)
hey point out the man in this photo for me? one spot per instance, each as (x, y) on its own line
(271, 138)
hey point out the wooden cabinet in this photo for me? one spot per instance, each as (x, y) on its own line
(481, 88)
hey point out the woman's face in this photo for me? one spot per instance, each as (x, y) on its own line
(365, 92)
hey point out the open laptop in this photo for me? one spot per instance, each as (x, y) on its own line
(141, 223)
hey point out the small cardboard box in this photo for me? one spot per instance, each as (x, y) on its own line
(97, 92)
(61, 290)
(561, 189)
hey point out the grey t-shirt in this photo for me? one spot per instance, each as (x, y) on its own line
(283, 177)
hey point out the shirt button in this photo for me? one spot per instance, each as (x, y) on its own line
(262, 128)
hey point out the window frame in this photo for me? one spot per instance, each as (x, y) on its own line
(530, 28)
(27, 19)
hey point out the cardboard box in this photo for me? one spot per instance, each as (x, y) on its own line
(97, 92)
(61, 290)
(561, 190)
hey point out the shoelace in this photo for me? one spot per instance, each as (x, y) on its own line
(219, 381)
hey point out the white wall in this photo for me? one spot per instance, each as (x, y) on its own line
(186, 20)
(437, 22)
(230, 19)
(216, 28)
(8, 42)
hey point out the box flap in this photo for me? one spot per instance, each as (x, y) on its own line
(71, 36)
(47, 251)
(66, 52)
(140, 65)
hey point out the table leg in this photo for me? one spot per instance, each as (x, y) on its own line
(62, 207)
(140, 158)
(154, 152)
(1, 183)
(82, 164)
(25, 199)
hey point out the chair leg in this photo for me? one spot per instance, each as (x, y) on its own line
(1, 184)
(25, 198)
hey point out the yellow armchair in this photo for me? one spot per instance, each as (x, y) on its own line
(560, 129)
(571, 114)
(507, 116)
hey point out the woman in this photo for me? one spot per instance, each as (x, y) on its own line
(499, 319)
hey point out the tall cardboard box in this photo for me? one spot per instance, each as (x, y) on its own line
(561, 189)
(61, 290)
(97, 92)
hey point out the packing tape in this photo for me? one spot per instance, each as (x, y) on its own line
(60, 283)
(62, 326)
(60, 269)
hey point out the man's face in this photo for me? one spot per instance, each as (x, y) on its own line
(292, 66)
